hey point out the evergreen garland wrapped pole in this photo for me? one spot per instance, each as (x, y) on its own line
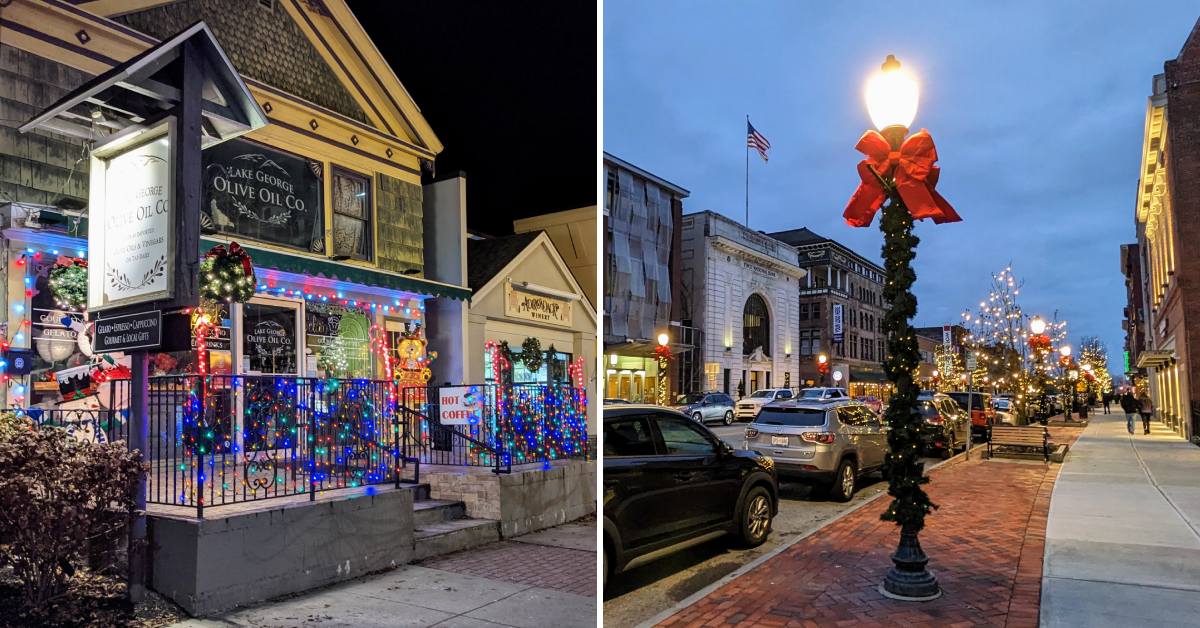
(902, 172)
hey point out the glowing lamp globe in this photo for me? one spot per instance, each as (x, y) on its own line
(1065, 351)
(892, 95)
(822, 358)
(663, 339)
(1037, 326)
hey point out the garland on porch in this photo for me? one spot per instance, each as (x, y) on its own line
(227, 274)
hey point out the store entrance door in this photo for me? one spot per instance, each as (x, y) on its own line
(270, 343)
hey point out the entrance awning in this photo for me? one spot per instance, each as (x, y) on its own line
(1155, 359)
(264, 258)
(867, 376)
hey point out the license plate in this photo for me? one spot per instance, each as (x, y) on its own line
(782, 441)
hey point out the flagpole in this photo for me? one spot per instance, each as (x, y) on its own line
(747, 173)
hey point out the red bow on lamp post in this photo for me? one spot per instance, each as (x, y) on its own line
(911, 172)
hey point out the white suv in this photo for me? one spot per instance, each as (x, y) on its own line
(748, 407)
(823, 394)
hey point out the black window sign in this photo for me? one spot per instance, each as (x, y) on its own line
(142, 330)
(265, 194)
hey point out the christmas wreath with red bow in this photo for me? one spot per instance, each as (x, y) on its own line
(227, 274)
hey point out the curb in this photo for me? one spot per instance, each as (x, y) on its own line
(750, 566)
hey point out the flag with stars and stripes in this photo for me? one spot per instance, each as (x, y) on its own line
(755, 140)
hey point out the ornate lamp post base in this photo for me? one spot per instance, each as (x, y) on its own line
(908, 579)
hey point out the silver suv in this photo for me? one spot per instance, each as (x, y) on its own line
(825, 443)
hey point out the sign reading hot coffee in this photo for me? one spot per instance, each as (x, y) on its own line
(130, 331)
(265, 194)
(132, 217)
(536, 307)
(459, 405)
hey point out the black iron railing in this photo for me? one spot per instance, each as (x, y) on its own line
(507, 425)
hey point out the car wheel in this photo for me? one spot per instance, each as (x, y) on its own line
(755, 517)
(697, 417)
(843, 482)
(729, 417)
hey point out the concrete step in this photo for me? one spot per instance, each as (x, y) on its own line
(431, 511)
(420, 491)
(444, 537)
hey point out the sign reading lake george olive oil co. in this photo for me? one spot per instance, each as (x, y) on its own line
(536, 307)
(132, 216)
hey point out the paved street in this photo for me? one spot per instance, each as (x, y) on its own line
(1123, 538)
(638, 595)
(984, 542)
(546, 578)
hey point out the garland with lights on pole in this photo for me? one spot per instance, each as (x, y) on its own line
(903, 173)
(68, 283)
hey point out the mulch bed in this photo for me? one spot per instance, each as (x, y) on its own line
(93, 601)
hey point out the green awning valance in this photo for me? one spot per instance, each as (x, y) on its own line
(317, 267)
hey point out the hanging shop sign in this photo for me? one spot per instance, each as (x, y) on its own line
(838, 331)
(536, 307)
(141, 330)
(258, 192)
(947, 337)
(460, 405)
(132, 215)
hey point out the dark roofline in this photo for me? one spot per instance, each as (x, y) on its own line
(610, 158)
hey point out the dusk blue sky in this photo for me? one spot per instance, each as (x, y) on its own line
(1037, 109)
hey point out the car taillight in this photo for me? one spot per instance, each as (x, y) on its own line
(751, 432)
(935, 419)
(824, 438)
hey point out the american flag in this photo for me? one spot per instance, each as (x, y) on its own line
(755, 140)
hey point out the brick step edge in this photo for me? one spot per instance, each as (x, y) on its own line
(453, 536)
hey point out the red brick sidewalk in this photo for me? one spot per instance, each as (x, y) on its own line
(560, 568)
(985, 541)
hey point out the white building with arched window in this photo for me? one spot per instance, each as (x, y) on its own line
(740, 287)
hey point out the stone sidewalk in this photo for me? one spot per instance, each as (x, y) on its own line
(546, 578)
(1123, 539)
(985, 544)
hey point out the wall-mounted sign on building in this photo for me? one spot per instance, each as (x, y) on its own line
(132, 215)
(536, 307)
(839, 333)
(460, 405)
(265, 194)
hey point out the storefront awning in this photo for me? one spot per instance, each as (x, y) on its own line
(1155, 359)
(264, 258)
(865, 376)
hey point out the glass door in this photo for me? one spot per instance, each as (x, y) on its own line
(271, 345)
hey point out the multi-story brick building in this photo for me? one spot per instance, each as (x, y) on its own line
(642, 213)
(1134, 322)
(739, 288)
(840, 288)
(1168, 219)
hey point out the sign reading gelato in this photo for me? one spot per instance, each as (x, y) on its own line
(132, 224)
(536, 307)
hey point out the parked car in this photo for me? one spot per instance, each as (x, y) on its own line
(748, 407)
(872, 402)
(979, 405)
(826, 443)
(824, 393)
(608, 401)
(705, 407)
(670, 483)
(1004, 411)
(946, 426)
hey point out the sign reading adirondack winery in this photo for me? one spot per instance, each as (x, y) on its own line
(132, 215)
(265, 194)
(536, 307)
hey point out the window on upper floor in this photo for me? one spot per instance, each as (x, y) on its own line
(352, 230)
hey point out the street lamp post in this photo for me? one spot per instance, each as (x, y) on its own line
(663, 353)
(900, 171)
(822, 367)
(1065, 351)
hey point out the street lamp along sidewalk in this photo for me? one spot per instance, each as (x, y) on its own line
(901, 171)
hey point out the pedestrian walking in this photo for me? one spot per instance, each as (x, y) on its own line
(1146, 409)
(1107, 400)
(1130, 405)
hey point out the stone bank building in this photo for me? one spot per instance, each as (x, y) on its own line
(740, 289)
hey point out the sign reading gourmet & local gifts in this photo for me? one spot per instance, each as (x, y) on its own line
(265, 194)
(131, 238)
(536, 307)
(459, 405)
(142, 330)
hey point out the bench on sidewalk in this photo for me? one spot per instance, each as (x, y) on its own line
(1026, 437)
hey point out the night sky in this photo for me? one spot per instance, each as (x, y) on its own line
(1037, 109)
(509, 88)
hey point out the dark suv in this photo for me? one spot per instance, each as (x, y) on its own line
(670, 483)
(946, 426)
